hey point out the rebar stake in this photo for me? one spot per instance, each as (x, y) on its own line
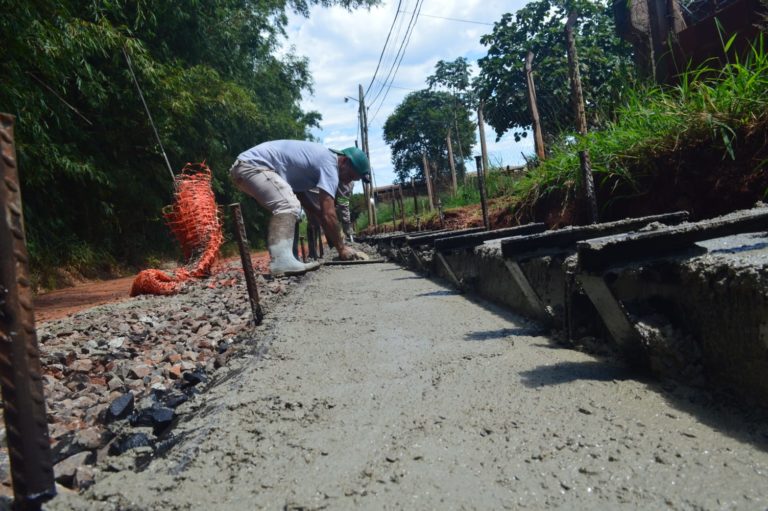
(245, 258)
(21, 375)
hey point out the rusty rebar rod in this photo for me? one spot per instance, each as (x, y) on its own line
(440, 213)
(245, 258)
(303, 249)
(20, 368)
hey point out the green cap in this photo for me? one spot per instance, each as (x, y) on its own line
(359, 161)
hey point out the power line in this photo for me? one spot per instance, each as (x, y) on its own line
(454, 19)
(401, 54)
(395, 86)
(389, 54)
(146, 108)
(403, 43)
(402, 88)
(397, 13)
(418, 10)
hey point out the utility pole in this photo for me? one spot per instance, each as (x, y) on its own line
(363, 115)
(538, 138)
(481, 127)
(587, 181)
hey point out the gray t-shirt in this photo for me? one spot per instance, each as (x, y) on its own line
(302, 164)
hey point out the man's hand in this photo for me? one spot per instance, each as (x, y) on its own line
(348, 254)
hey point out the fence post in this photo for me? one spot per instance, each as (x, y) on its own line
(577, 97)
(429, 182)
(454, 186)
(481, 129)
(538, 138)
(481, 187)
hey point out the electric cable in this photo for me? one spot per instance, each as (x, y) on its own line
(454, 19)
(146, 108)
(404, 47)
(401, 53)
(389, 54)
(397, 13)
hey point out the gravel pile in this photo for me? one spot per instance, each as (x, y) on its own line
(117, 376)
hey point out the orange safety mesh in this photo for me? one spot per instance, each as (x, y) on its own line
(195, 220)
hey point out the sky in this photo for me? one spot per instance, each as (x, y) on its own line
(344, 47)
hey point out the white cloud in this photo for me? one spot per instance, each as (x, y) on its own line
(343, 48)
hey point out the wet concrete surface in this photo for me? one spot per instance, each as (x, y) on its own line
(372, 387)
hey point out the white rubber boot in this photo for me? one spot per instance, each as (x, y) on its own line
(281, 230)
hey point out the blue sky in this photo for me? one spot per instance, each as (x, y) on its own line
(343, 49)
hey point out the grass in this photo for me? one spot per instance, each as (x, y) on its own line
(709, 105)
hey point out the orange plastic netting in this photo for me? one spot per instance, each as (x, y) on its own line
(195, 221)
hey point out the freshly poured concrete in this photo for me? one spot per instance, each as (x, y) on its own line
(380, 389)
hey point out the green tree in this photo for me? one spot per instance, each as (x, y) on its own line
(419, 126)
(605, 65)
(455, 78)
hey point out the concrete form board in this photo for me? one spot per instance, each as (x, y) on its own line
(398, 238)
(472, 240)
(414, 241)
(599, 253)
(703, 317)
(567, 237)
(482, 272)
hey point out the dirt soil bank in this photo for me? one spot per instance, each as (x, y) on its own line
(373, 387)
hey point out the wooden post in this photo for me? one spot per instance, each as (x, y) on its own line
(587, 181)
(415, 197)
(452, 164)
(481, 187)
(394, 210)
(429, 182)
(481, 127)
(538, 138)
(402, 205)
(658, 30)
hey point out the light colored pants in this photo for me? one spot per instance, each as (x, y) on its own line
(270, 190)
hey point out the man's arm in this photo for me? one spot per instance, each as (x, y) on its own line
(331, 226)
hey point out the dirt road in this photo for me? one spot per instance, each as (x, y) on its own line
(373, 387)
